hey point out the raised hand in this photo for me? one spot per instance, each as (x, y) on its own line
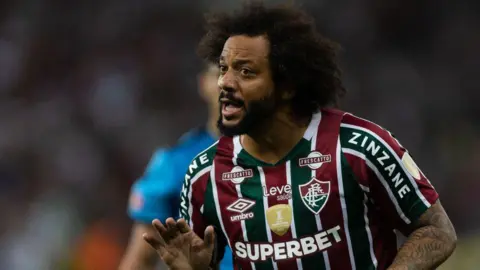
(179, 247)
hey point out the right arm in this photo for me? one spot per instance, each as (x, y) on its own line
(193, 199)
(149, 199)
(139, 255)
(188, 243)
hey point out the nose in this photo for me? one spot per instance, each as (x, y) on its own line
(227, 82)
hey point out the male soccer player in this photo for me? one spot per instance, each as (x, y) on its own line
(156, 194)
(293, 183)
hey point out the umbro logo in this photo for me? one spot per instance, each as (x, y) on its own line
(241, 206)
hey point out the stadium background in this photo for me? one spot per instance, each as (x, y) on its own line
(89, 88)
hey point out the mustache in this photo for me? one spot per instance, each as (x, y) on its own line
(231, 98)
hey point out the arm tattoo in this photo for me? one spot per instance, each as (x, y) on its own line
(430, 244)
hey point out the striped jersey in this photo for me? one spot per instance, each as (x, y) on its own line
(341, 199)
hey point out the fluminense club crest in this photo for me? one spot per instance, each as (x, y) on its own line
(315, 194)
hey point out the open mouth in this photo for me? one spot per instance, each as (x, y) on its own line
(231, 107)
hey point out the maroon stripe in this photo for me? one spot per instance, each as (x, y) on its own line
(227, 195)
(384, 241)
(331, 214)
(276, 178)
(198, 199)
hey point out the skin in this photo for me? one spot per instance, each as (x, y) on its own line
(245, 72)
(179, 247)
(432, 241)
(139, 255)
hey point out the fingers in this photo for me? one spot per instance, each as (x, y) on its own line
(157, 224)
(160, 246)
(209, 238)
(168, 231)
(183, 226)
(156, 242)
(172, 230)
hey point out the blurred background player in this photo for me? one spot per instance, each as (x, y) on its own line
(156, 193)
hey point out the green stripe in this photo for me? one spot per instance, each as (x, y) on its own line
(354, 197)
(256, 227)
(411, 205)
(209, 209)
(210, 213)
(305, 223)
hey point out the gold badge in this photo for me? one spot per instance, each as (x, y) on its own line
(279, 218)
(411, 166)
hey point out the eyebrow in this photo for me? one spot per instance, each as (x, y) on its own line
(238, 62)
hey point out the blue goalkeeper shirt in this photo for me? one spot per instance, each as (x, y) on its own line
(157, 193)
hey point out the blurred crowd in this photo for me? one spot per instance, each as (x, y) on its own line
(89, 89)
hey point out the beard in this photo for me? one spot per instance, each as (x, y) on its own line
(257, 113)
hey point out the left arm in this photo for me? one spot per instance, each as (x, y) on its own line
(430, 244)
(402, 194)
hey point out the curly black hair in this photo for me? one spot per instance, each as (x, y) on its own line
(299, 55)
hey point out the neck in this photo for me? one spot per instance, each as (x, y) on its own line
(276, 139)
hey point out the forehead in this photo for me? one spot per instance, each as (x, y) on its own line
(245, 47)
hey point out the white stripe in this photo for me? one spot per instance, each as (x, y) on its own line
(344, 205)
(313, 126)
(369, 233)
(382, 180)
(290, 202)
(192, 181)
(265, 207)
(313, 147)
(217, 204)
(236, 149)
(412, 181)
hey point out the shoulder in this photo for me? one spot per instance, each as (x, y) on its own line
(202, 162)
(359, 133)
(375, 145)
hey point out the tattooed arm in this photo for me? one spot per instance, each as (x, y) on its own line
(430, 244)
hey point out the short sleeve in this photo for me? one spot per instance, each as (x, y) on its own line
(192, 201)
(394, 183)
(151, 195)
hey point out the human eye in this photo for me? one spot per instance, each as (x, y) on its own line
(247, 72)
(222, 68)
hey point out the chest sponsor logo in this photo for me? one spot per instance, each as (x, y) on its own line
(283, 193)
(314, 160)
(315, 194)
(242, 207)
(290, 249)
(237, 175)
(279, 218)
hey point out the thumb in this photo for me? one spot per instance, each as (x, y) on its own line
(209, 238)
